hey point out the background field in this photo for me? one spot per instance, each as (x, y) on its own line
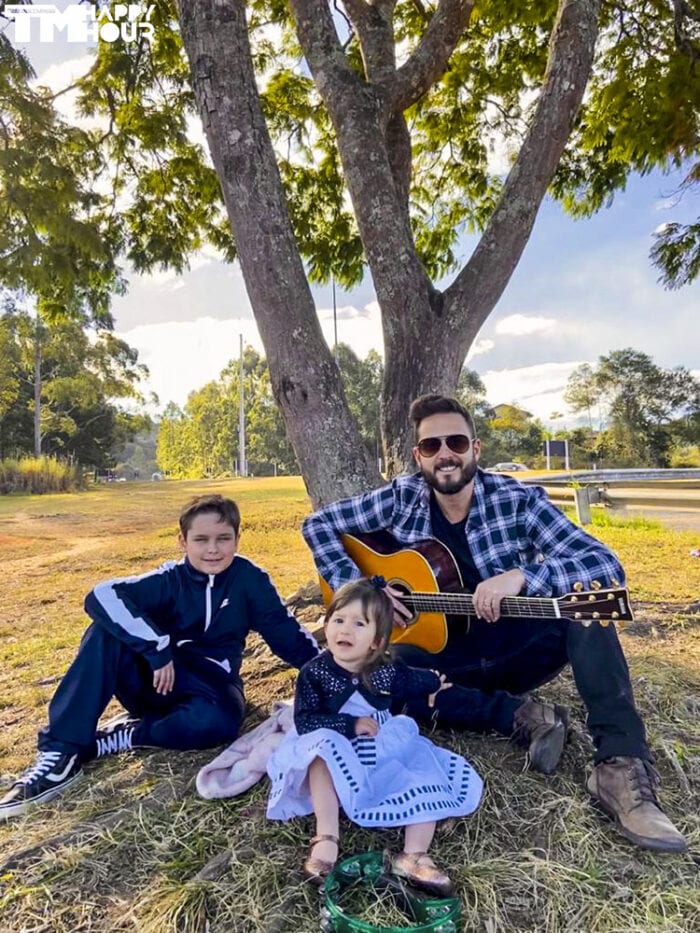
(133, 848)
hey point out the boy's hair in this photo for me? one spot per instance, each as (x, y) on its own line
(226, 509)
(377, 608)
(428, 405)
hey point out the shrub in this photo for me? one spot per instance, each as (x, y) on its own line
(36, 475)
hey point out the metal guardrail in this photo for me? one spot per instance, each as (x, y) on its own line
(667, 489)
(614, 477)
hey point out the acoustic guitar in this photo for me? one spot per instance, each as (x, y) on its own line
(428, 578)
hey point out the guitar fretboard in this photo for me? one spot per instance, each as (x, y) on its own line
(462, 604)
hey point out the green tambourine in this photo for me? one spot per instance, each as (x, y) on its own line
(366, 873)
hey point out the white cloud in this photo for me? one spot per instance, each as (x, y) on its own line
(521, 325)
(359, 328)
(479, 348)
(185, 355)
(538, 389)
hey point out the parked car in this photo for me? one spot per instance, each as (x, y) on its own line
(511, 467)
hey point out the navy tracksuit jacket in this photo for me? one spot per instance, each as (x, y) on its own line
(174, 613)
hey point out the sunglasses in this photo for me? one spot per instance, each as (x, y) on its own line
(457, 443)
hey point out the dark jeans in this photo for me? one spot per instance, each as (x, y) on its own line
(492, 661)
(197, 713)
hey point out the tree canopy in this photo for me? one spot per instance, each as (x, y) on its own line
(362, 137)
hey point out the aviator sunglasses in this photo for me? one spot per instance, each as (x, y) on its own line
(457, 443)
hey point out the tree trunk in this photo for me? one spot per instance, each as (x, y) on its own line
(305, 379)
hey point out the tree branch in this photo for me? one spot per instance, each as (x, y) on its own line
(480, 284)
(429, 61)
(322, 49)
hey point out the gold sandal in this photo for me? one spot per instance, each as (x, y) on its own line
(316, 869)
(418, 868)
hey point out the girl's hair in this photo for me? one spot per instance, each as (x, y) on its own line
(377, 608)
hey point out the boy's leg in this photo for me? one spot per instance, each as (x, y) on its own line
(101, 665)
(79, 700)
(202, 710)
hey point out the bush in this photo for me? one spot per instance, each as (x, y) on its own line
(688, 456)
(35, 475)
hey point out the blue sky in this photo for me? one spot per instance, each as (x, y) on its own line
(582, 289)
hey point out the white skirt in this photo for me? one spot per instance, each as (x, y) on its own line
(394, 779)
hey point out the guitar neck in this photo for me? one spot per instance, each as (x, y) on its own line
(462, 604)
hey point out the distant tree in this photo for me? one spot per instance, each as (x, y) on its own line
(86, 388)
(514, 435)
(582, 392)
(362, 382)
(646, 407)
(471, 392)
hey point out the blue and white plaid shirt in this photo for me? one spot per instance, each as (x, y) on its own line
(509, 525)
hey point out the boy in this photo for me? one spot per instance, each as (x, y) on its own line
(168, 645)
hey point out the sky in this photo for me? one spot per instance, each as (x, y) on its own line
(581, 289)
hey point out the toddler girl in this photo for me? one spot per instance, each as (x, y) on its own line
(348, 750)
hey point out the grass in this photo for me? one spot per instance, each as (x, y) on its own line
(133, 848)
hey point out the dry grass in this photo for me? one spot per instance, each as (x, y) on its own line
(132, 848)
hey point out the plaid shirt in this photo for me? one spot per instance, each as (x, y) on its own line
(509, 525)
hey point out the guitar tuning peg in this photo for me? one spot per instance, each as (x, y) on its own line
(578, 586)
(587, 623)
(595, 584)
(605, 622)
(614, 581)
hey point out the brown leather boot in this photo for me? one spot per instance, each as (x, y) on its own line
(626, 789)
(543, 728)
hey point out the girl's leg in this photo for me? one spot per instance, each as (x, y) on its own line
(415, 865)
(326, 810)
(418, 836)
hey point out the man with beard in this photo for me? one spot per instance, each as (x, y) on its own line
(508, 540)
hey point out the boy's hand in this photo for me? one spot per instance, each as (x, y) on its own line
(443, 686)
(164, 678)
(365, 725)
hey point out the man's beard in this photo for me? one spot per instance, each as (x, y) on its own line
(450, 485)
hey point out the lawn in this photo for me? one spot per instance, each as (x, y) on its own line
(132, 848)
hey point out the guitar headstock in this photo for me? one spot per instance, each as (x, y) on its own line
(604, 605)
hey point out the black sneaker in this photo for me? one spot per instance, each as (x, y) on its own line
(115, 737)
(51, 774)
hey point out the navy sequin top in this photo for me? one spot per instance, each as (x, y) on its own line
(323, 687)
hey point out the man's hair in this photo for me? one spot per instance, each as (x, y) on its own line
(428, 405)
(226, 509)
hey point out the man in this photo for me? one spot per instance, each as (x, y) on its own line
(169, 645)
(508, 540)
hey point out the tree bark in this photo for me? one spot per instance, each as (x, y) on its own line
(305, 379)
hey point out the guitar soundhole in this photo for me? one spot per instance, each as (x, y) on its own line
(405, 590)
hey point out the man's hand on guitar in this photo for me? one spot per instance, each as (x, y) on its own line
(443, 686)
(402, 615)
(489, 593)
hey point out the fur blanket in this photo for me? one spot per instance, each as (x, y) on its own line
(244, 762)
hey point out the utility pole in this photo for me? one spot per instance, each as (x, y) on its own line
(242, 464)
(335, 322)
